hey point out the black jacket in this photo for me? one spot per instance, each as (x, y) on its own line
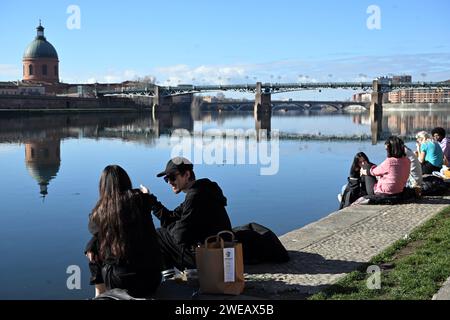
(202, 214)
(146, 252)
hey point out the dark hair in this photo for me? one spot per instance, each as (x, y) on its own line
(118, 215)
(440, 131)
(395, 147)
(355, 168)
(182, 171)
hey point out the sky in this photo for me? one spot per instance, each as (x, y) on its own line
(228, 42)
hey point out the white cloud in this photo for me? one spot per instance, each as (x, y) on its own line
(214, 74)
(110, 78)
(361, 68)
(436, 66)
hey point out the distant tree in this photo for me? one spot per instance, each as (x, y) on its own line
(149, 79)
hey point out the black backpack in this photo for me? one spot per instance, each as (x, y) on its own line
(260, 244)
(433, 186)
(351, 193)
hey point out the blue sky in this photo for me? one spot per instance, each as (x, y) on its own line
(232, 41)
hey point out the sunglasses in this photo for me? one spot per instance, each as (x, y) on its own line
(171, 177)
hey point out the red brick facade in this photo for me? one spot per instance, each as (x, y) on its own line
(41, 69)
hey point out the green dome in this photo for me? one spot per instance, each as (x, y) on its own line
(43, 173)
(40, 48)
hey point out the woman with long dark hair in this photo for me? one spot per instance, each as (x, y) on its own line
(356, 186)
(123, 252)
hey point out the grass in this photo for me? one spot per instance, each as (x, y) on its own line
(412, 269)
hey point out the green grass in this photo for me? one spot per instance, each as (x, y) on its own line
(418, 267)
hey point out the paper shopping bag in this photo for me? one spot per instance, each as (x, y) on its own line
(220, 265)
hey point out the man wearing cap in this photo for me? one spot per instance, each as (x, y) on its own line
(201, 215)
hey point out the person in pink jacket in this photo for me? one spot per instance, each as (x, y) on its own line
(393, 173)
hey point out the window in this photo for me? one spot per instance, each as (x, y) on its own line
(30, 70)
(44, 69)
(56, 71)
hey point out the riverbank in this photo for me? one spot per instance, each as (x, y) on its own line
(413, 268)
(330, 257)
(325, 251)
(66, 104)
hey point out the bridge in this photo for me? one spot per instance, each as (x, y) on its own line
(291, 105)
(162, 95)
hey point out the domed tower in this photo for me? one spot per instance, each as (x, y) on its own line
(43, 158)
(40, 60)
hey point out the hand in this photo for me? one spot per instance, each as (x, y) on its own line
(363, 172)
(91, 256)
(144, 189)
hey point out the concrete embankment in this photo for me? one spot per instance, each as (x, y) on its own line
(325, 251)
(56, 103)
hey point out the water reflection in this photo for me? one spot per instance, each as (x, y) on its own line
(263, 126)
(42, 134)
(407, 124)
(64, 154)
(403, 123)
(145, 128)
(43, 158)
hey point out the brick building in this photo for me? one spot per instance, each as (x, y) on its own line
(40, 60)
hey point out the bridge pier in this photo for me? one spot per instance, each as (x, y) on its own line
(376, 112)
(263, 101)
(161, 103)
(263, 125)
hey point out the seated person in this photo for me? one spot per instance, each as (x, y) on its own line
(356, 186)
(439, 135)
(393, 173)
(429, 153)
(202, 214)
(123, 252)
(415, 179)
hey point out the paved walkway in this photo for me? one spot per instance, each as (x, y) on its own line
(326, 250)
(444, 292)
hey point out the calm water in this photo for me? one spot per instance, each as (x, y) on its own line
(50, 167)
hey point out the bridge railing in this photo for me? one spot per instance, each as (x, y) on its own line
(275, 87)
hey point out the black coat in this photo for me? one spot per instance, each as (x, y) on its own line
(202, 214)
(146, 252)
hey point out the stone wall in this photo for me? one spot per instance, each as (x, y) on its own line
(30, 103)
